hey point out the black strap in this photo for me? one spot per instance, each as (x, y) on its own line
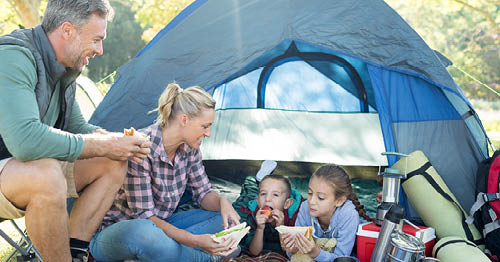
(419, 171)
(452, 242)
(423, 171)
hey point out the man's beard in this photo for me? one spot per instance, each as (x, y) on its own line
(78, 63)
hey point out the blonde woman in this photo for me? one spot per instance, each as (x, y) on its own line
(141, 225)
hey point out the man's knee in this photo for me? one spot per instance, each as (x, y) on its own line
(115, 171)
(35, 181)
(48, 180)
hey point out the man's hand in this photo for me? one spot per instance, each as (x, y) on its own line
(228, 213)
(115, 146)
(101, 131)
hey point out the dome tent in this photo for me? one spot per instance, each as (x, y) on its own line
(319, 80)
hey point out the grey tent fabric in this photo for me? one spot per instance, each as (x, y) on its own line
(210, 43)
(238, 34)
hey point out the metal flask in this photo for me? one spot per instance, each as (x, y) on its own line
(391, 187)
(405, 248)
(391, 221)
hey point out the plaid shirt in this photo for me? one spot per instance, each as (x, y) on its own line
(155, 187)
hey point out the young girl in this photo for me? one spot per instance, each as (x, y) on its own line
(332, 209)
(276, 204)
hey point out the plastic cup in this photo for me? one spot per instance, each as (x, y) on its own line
(346, 259)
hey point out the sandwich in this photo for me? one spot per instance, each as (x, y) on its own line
(306, 231)
(133, 132)
(236, 232)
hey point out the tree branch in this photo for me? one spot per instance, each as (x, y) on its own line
(13, 5)
(487, 15)
(28, 11)
(493, 2)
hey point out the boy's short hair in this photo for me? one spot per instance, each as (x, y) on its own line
(281, 178)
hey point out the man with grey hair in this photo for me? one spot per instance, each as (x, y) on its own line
(47, 150)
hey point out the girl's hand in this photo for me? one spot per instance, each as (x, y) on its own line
(209, 245)
(287, 242)
(261, 219)
(278, 216)
(228, 213)
(307, 246)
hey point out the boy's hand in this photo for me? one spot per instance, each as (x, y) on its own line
(306, 246)
(278, 216)
(261, 219)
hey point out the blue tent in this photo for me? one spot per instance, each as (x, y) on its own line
(317, 80)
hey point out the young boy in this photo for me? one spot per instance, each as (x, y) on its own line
(276, 204)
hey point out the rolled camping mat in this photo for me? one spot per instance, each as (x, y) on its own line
(433, 200)
(457, 249)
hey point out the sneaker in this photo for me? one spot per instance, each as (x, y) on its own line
(266, 168)
(81, 258)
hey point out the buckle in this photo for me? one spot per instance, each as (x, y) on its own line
(488, 197)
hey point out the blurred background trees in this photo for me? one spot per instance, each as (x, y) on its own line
(135, 24)
(465, 31)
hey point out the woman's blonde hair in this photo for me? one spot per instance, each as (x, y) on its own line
(175, 100)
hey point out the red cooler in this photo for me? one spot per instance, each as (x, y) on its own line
(368, 233)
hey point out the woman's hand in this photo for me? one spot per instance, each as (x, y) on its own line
(287, 242)
(209, 245)
(306, 246)
(228, 213)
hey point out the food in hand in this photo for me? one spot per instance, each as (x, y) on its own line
(266, 210)
(133, 132)
(307, 231)
(236, 232)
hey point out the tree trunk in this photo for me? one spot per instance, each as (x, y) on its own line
(28, 11)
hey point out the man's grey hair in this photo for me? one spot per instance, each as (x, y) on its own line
(76, 12)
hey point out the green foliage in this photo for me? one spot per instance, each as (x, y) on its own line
(122, 44)
(9, 20)
(155, 14)
(465, 32)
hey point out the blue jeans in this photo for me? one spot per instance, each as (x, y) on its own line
(142, 240)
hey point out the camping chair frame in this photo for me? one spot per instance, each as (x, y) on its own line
(23, 247)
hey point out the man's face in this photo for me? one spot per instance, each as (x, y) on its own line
(87, 42)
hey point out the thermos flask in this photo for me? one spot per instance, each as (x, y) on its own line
(391, 221)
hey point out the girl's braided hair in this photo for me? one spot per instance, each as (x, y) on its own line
(342, 186)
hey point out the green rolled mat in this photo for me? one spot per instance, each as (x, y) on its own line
(433, 200)
(457, 249)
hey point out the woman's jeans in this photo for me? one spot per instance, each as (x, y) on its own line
(142, 240)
